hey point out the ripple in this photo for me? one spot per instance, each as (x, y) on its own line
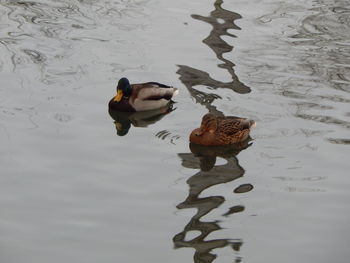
(49, 32)
(305, 59)
(339, 141)
(325, 119)
(61, 117)
(293, 189)
(165, 134)
(89, 39)
(35, 56)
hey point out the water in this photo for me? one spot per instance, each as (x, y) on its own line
(72, 190)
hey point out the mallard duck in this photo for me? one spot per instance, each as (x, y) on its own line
(141, 97)
(217, 130)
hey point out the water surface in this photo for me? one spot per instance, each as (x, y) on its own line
(73, 190)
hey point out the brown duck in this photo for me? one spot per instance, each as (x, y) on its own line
(217, 130)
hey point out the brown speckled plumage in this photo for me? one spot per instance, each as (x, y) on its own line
(217, 130)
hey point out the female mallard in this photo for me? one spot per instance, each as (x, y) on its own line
(141, 97)
(217, 130)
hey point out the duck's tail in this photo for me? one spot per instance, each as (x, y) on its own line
(176, 91)
(252, 124)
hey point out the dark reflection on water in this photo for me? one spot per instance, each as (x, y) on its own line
(124, 120)
(204, 158)
(221, 20)
(339, 141)
(243, 188)
(210, 174)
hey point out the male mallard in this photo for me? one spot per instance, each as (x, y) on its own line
(141, 97)
(217, 130)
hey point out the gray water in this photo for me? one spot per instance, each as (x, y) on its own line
(72, 190)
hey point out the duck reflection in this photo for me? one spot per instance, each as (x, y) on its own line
(204, 158)
(124, 120)
(221, 20)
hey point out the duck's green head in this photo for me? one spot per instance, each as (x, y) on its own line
(123, 89)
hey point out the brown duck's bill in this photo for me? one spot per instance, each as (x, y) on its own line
(199, 132)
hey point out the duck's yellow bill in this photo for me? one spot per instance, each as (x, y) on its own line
(119, 96)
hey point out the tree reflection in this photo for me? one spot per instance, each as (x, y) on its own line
(204, 158)
(221, 20)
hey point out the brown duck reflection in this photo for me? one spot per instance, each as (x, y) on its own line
(191, 77)
(204, 158)
(124, 120)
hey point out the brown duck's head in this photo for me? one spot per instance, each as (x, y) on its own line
(209, 123)
(203, 134)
